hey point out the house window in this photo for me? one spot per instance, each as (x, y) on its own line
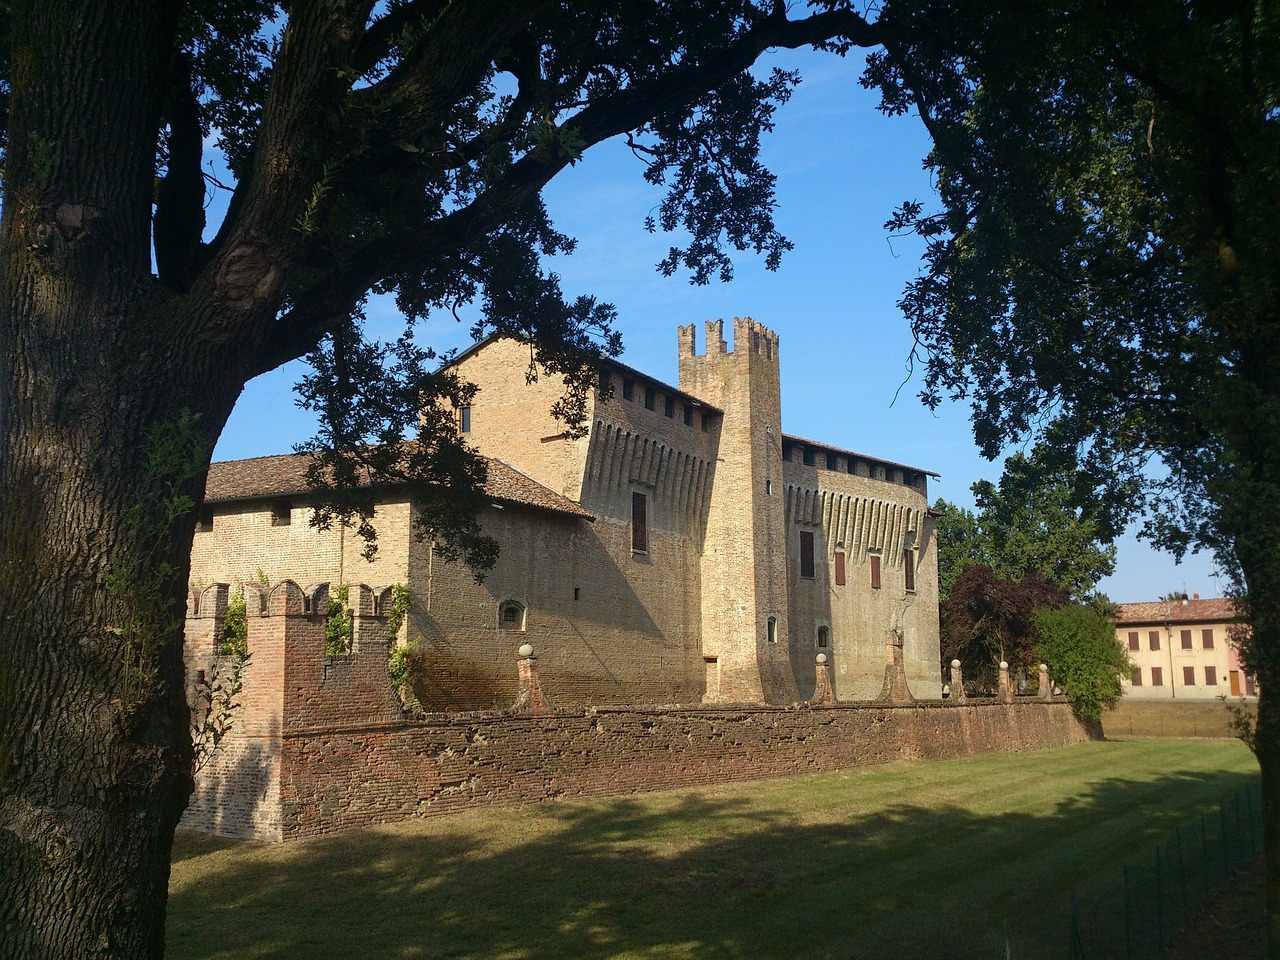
(1188, 676)
(628, 389)
(875, 572)
(639, 523)
(206, 520)
(1210, 676)
(1157, 677)
(839, 568)
(668, 406)
(281, 513)
(824, 637)
(1153, 641)
(511, 616)
(773, 630)
(1135, 678)
(1206, 638)
(1133, 640)
(1185, 637)
(909, 569)
(806, 554)
(464, 419)
(1250, 688)
(650, 398)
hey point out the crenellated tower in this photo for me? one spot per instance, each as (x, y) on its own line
(744, 576)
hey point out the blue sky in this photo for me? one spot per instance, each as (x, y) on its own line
(842, 167)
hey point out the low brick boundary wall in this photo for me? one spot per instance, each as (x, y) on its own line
(336, 779)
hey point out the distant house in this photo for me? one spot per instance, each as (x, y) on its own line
(1183, 648)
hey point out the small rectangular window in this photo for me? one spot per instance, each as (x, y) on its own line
(839, 568)
(464, 419)
(1250, 688)
(1206, 638)
(875, 572)
(1133, 640)
(281, 513)
(628, 389)
(1210, 676)
(650, 398)
(786, 452)
(909, 568)
(606, 384)
(206, 519)
(1153, 642)
(806, 554)
(810, 457)
(1157, 677)
(668, 406)
(639, 523)
(1185, 637)
(833, 462)
(688, 415)
(1188, 676)
(1135, 678)
(706, 422)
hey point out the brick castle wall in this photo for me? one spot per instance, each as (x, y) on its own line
(322, 743)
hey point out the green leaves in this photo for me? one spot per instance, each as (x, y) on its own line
(1084, 657)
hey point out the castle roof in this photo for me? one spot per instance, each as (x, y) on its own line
(1213, 610)
(285, 475)
(819, 445)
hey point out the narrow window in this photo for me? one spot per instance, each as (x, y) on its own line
(875, 572)
(281, 513)
(1157, 677)
(650, 398)
(688, 415)
(1133, 640)
(806, 554)
(773, 630)
(1206, 638)
(768, 488)
(839, 568)
(1185, 637)
(1153, 642)
(511, 616)
(668, 406)
(1136, 677)
(206, 519)
(639, 523)
(1250, 688)
(1210, 676)
(464, 419)
(824, 637)
(1188, 676)
(628, 389)
(909, 568)
(606, 384)
(706, 422)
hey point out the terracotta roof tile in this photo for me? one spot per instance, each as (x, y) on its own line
(1213, 610)
(286, 475)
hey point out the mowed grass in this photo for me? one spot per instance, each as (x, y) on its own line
(950, 859)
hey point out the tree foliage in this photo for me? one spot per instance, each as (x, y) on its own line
(1027, 523)
(988, 618)
(1102, 269)
(1084, 658)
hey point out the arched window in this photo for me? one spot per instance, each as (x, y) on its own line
(824, 636)
(773, 629)
(511, 616)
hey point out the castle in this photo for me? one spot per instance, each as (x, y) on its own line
(684, 551)
(685, 595)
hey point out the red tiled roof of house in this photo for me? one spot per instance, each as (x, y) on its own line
(286, 475)
(1213, 610)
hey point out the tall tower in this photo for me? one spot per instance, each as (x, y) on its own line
(744, 559)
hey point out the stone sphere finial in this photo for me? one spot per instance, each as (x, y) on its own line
(1004, 665)
(1044, 666)
(955, 663)
(822, 658)
(526, 650)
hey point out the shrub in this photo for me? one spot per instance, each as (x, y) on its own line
(1084, 657)
(337, 624)
(234, 641)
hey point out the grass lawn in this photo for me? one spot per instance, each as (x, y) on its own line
(934, 860)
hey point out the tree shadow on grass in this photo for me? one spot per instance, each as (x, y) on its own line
(683, 875)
